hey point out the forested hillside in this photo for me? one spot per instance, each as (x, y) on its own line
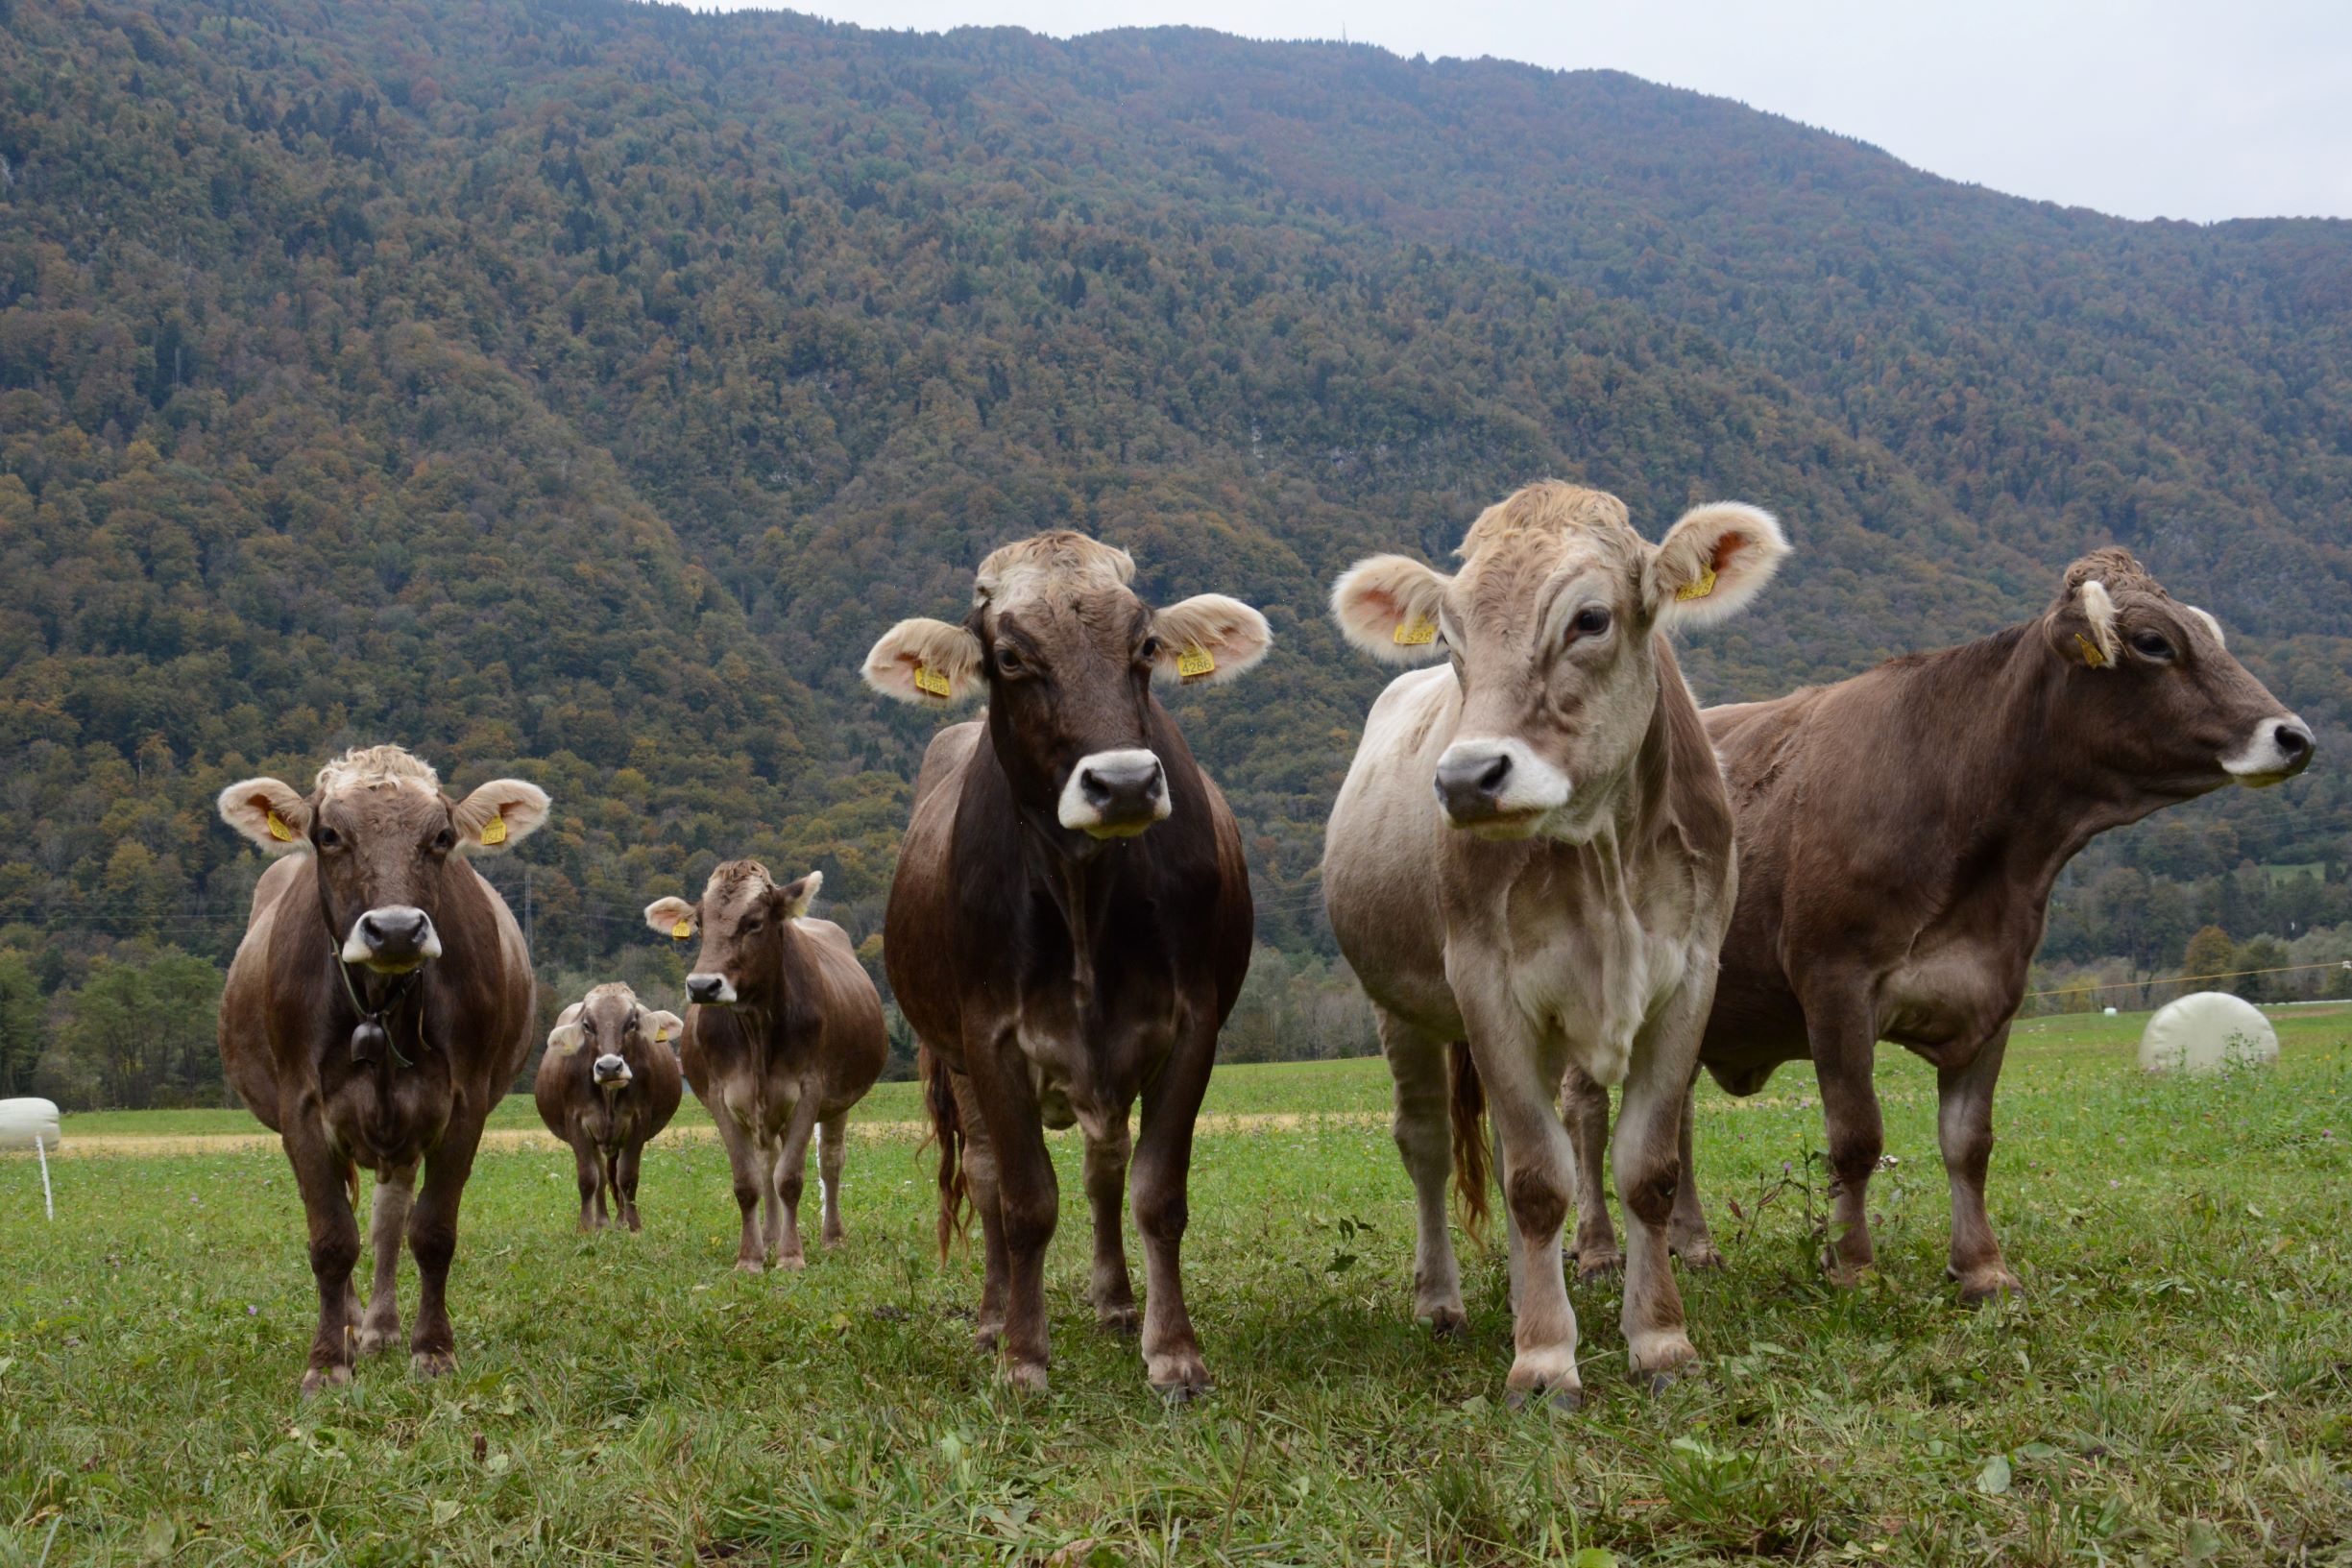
(575, 389)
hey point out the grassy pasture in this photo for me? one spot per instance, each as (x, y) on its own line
(2177, 1386)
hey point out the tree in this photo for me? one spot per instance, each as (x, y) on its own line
(142, 1029)
(23, 1030)
(2210, 952)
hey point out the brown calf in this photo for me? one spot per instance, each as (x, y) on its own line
(1070, 921)
(608, 1083)
(376, 1010)
(782, 1035)
(1898, 835)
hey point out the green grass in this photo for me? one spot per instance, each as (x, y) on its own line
(2174, 1389)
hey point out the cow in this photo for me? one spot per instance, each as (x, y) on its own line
(1069, 924)
(609, 1102)
(783, 1035)
(1898, 835)
(380, 1003)
(1530, 864)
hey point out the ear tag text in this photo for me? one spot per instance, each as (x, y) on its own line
(2091, 656)
(1417, 633)
(280, 829)
(494, 831)
(931, 683)
(1196, 662)
(1699, 589)
(682, 929)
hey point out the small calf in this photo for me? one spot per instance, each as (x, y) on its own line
(608, 1083)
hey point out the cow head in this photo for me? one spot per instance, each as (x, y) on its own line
(1549, 626)
(740, 919)
(2152, 693)
(610, 1022)
(1067, 655)
(386, 838)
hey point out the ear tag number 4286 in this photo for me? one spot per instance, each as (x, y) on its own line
(1196, 662)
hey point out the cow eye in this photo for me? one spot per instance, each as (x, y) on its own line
(1151, 649)
(444, 841)
(2151, 646)
(1007, 662)
(1591, 621)
(329, 839)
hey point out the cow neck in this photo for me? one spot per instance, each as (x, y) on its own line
(374, 998)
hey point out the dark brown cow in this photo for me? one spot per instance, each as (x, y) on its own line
(1055, 957)
(608, 1083)
(1898, 835)
(378, 1007)
(782, 1035)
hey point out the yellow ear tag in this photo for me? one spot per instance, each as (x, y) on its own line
(661, 1037)
(1699, 589)
(2091, 655)
(494, 831)
(931, 683)
(1417, 633)
(280, 829)
(1195, 661)
(682, 929)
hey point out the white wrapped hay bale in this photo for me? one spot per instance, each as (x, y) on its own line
(2205, 1033)
(28, 1124)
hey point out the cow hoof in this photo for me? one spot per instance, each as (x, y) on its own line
(433, 1363)
(1698, 1254)
(1845, 1275)
(750, 1265)
(794, 1261)
(374, 1340)
(1446, 1323)
(1027, 1377)
(1177, 1379)
(984, 1339)
(1124, 1321)
(835, 1241)
(319, 1379)
(1990, 1286)
(1560, 1399)
(1598, 1266)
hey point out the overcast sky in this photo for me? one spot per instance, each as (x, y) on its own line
(2155, 108)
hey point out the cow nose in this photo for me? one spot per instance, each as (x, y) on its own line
(395, 930)
(1471, 787)
(2294, 739)
(1122, 789)
(705, 987)
(611, 1069)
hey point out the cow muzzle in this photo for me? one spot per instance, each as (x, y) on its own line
(611, 1073)
(710, 990)
(1115, 794)
(1498, 788)
(2279, 749)
(392, 939)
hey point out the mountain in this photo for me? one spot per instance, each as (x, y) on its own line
(577, 389)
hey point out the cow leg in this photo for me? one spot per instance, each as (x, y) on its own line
(1163, 1172)
(832, 1146)
(587, 1169)
(768, 1156)
(1688, 1236)
(1028, 1201)
(1522, 1087)
(625, 1165)
(1964, 1126)
(1844, 1038)
(1584, 1112)
(751, 1181)
(387, 1225)
(1425, 1138)
(433, 1239)
(334, 1244)
(1108, 1288)
(1648, 1161)
(980, 1181)
(792, 1178)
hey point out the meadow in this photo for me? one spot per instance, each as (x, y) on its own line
(2175, 1387)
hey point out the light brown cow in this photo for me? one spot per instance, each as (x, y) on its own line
(1070, 921)
(1532, 854)
(784, 1034)
(1898, 837)
(378, 1007)
(607, 1085)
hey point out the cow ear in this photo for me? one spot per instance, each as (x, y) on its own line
(1208, 637)
(666, 1029)
(567, 1037)
(672, 917)
(1710, 563)
(502, 811)
(269, 814)
(925, 660)
(794, 897)
(1387, 606)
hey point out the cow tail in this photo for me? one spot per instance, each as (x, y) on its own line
(947, 1126)
(1466, 1109)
